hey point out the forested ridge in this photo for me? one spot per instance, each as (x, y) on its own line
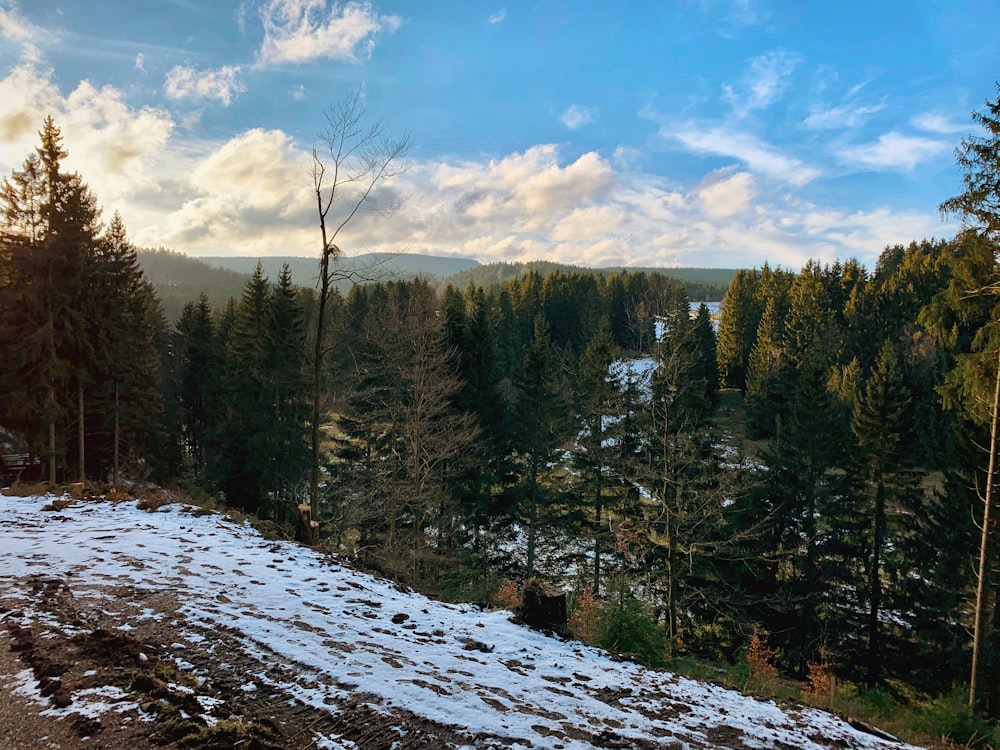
(806, 475)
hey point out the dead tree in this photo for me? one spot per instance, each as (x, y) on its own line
(355, 158)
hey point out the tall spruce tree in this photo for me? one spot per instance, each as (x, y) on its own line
(741, 313)
(543, 420)
(599, 405)
(50, 235)
(880, 424)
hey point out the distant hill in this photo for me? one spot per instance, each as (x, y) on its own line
(180, 279)
(701, 284)
(365, 267)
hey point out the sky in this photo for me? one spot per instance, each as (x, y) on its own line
(692, 133)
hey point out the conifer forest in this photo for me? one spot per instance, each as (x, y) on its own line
(811, 464)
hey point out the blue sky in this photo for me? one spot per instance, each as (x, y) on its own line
(719, 133)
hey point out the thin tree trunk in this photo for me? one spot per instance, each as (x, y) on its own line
(51, 396)
(598, 522)
(875, 586)
(117, 440)
(52, 440)
(977, 627)
(317, 394)
(80, 432)
(532, 517)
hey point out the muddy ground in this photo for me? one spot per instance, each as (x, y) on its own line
(73, 675)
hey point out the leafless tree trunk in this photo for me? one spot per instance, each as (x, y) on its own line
(81, 438)
(355, 158)
(117, 438)
(977, 628)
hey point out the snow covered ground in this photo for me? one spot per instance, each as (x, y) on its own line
(344, 636)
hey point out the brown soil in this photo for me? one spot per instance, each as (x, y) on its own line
(167, 685)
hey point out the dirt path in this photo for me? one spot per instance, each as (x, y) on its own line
(116, 668)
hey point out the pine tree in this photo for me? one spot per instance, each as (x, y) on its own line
(241, 456)
(50, 233)
(879, 422)
(741, 313)
(199, 360)
(770, 374)
(599, 405)
(543, 421)
(285, 363)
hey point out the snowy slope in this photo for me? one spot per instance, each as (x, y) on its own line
(348, 635)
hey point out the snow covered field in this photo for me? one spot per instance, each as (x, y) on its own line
(341, 636)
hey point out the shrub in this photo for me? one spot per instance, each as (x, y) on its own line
(760, 658)
(583, 622)
(949, 716)
(507, 596)
(625, 627)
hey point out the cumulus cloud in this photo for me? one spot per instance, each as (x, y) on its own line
(499, 17)
(576, 116)
(763, 84)
(251, 195)
(298, 31)
(895, 151)
(109, 143)
(183, 82)
(140, 63)
(725, 193)
(248, 195)
(757, 155)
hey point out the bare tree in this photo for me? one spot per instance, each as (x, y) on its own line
(354, 157)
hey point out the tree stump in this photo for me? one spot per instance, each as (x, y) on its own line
(306, 530)
(543, 607)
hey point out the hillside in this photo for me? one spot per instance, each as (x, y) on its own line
(701, 284)
(180, 279)
(178, 628)
(368, 266)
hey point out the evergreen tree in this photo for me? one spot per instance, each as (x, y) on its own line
(770, 374)
(125, 325)
(741, 313)
(50, 234)
(285, 354)
(879, 422)
(198, 364)
(542, 422)
(979, 158)
(599, 406)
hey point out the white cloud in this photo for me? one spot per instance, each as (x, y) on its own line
(140, 62)
(759, 156)
(725, 193)
(113, 146)
(298, 31)
(844, 116)
(934, 122)
(763, 84)
(13, 26)
(499, 17)
(183, 82)
(251, 195)
(576, 116)
(895, 151)
(21, 31)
